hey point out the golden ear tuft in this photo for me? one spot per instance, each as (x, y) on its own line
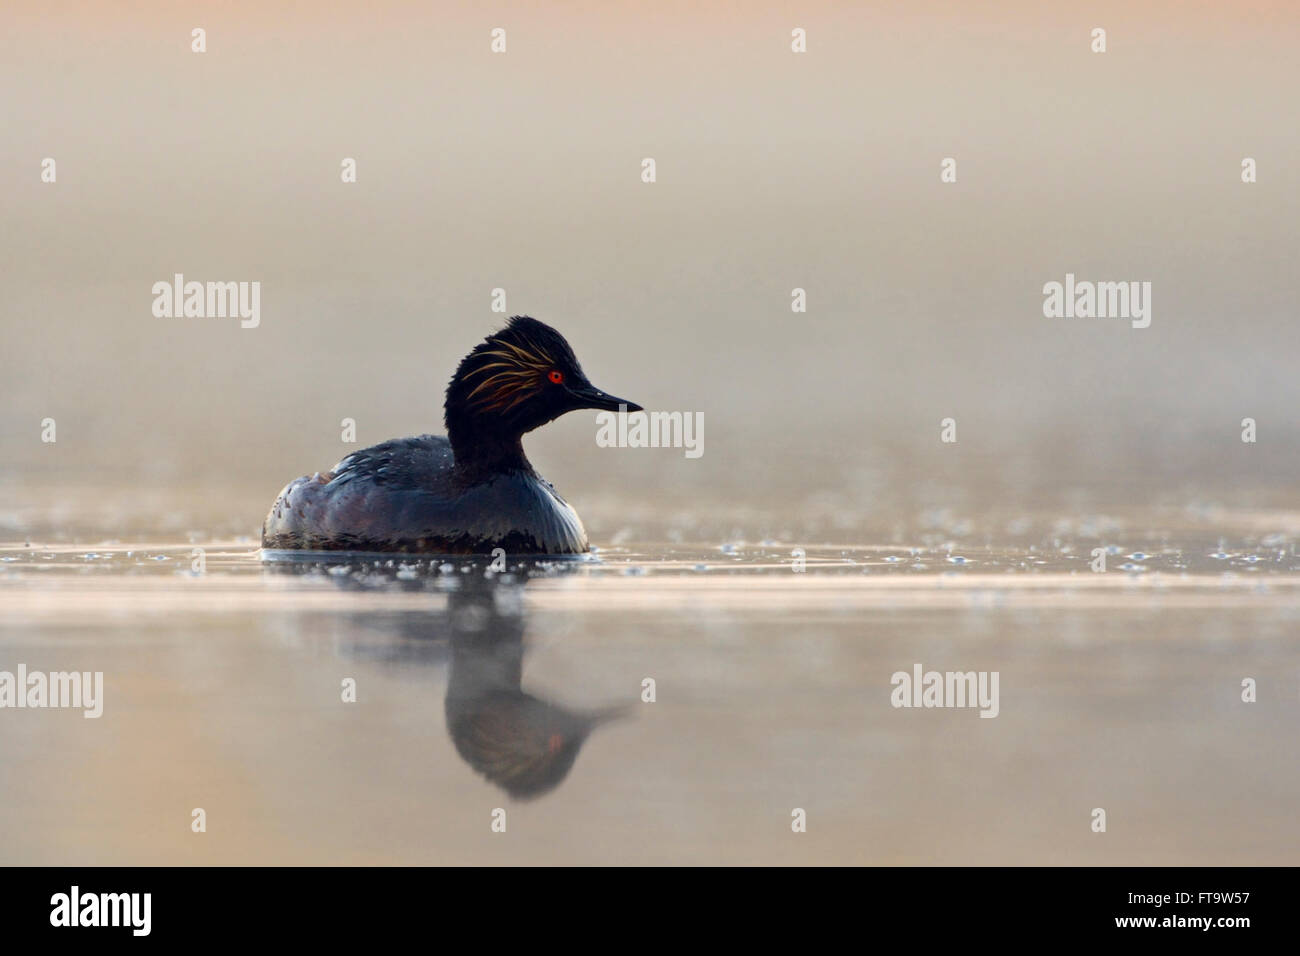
(513, 371)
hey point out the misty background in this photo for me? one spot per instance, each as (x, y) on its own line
(775, 170)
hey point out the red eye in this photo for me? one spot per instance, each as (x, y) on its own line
(555, 376)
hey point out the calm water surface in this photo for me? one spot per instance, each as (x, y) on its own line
(523, 691)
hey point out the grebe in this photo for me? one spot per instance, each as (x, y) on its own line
(469, 493)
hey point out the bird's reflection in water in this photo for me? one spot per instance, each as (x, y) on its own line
(524, 745)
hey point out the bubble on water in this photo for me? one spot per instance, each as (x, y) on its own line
(1252, 558)
(956, 559)
(1139, 556)
(340, 570)
(446, 568)
(892, 558)
(406, 574)
(1220, 556)
(1130, 566)
(160, 557)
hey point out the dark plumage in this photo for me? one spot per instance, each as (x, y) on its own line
(470, 492)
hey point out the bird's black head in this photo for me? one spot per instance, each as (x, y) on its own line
(518, 379)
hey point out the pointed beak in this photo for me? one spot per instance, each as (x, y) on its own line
(592, 397)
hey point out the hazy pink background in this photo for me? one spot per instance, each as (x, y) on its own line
(775, 170)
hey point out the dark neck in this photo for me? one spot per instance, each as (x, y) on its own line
(483, 451)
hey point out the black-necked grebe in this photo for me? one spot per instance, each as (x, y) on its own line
(470, 492)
